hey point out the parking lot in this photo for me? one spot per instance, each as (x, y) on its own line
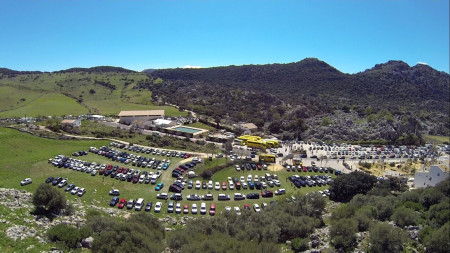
(130, 170)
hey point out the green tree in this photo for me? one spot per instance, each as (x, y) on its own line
(346, 186)
(439, 240)
(386, 238)
(404, 216)
(300, 244)
(49, 199)
(343, 233)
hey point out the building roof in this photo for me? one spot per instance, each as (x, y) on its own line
(141, 113)
(67, 121)
(249, 126)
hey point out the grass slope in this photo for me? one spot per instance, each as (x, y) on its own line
(47, 105)
(119, 94)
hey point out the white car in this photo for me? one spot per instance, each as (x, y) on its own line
(210, 185)
(81, 192)
(238, 168)
(249, 178)
(256, 208)
(178, 208)
(217, 186)
(203, 208)
(194, 209)
(158, 207)
(280, 191)
(237, 210)
(228, 208)
(26, 181)
(74, 190)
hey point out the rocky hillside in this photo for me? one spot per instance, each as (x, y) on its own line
(276, 97)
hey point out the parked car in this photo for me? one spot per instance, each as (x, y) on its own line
(176, 197)
(114, 192)
(49, 180)
(114, 201)
(193, 197)
(122, 203)
(217, 186)
(148, 206)
(159, 186)
(223, 197)
(161, 196)
(185, 209)
(239, 196)
(267, 194)
(203, 208)
(237, 210)
(57, 180)
(69, 187)
(208, 197)
(130, 204)
(280, 191)
(74, 190)
(139, 204)
(178, 208)
(170, 207)
(81, 192)
(253, 196)
(212, 210)
(194, 209)
(158, 207)
(256, 208)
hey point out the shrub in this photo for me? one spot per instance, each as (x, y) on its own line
(386, 238)
(300, 244)
(404, 216)
(64, 235)
(343, 233)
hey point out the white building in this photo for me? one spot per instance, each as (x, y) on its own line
(431, 178)
(128, 117)
(71, 122)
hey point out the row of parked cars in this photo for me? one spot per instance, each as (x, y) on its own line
(221, 197)
(134, 160)
(250, 166)
(314, 180)
(152, 151)
(63, 182)
(314, 168)
(172, 207)
(113, 171)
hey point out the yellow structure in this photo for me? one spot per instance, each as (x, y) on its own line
(268, 158)
(258, 142)
(297, 161)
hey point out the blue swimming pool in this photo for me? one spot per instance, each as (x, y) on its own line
(188, 130)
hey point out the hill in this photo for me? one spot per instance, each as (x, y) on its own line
(279, 97)
(104, 90)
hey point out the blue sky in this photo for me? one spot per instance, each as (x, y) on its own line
(349, 35)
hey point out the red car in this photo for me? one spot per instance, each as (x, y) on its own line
(224, 186)
(304, 169)
(109, 167)
(212, 209)
(267, 194)
(101, 172)
(247, 206)
(125, 171)
(120, 170)
(122, 203)
(187, 156)
(185, 209)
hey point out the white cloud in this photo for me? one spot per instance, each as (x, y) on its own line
(192, 67)
(423, 63)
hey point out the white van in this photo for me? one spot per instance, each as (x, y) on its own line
(139, 204)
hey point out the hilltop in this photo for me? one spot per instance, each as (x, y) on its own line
(279, 97)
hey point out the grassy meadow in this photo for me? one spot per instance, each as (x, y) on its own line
(57, 94)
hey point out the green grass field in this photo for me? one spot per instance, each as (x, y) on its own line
(41, 94)
(436, 139)
(24, 156)
(47, 105)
